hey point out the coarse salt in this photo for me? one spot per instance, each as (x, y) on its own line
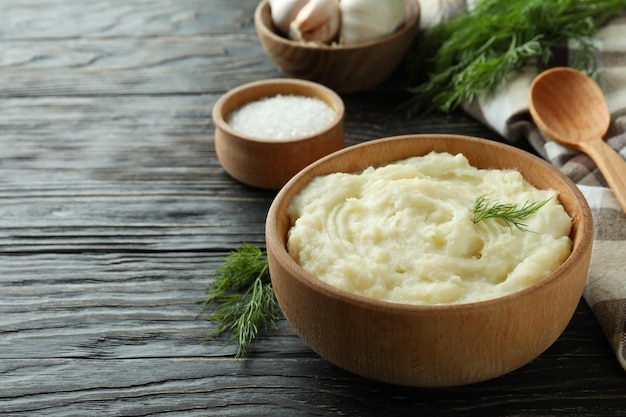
(282, 117)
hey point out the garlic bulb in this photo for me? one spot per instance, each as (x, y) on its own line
(283, 12)
(317, 21)
(366, 20)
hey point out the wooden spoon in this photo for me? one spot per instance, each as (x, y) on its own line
(570, 108)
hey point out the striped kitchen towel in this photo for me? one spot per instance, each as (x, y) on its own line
(507, 113)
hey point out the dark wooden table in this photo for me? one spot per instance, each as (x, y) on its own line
(115, 212)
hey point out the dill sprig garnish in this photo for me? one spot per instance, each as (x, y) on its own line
(469, 55)
(509, 213)
(245, 297)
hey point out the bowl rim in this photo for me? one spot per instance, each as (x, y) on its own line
(409, 23)
(220, 122)
(584, 233)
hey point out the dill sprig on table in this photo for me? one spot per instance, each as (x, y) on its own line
(508, 213)
(468, 56)
(244, 295)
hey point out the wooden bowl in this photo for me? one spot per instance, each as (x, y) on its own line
(345, 69)
(270, 163)
(438, 345)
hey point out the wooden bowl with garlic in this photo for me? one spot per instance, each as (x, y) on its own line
(357, 46)
(386, 292)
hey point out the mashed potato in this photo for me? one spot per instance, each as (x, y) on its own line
(404, 232)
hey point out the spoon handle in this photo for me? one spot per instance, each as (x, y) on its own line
(612, 166)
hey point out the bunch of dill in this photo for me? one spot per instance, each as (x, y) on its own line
(472, 53)
(244, 296)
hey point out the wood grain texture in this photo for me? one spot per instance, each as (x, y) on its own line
(114, 214)
(570, 107)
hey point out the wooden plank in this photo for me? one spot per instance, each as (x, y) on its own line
(288, 386)
(59, 19)
(132, 66)
(117, 48)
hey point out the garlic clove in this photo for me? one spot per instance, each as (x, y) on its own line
(317, 21)
(434, 12)
(366, 20)
(283, 12)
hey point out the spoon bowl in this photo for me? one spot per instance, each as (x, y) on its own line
(570, 108)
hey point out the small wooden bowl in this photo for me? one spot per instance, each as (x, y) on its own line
(430, 346)
(345, 69)
(270, 163)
